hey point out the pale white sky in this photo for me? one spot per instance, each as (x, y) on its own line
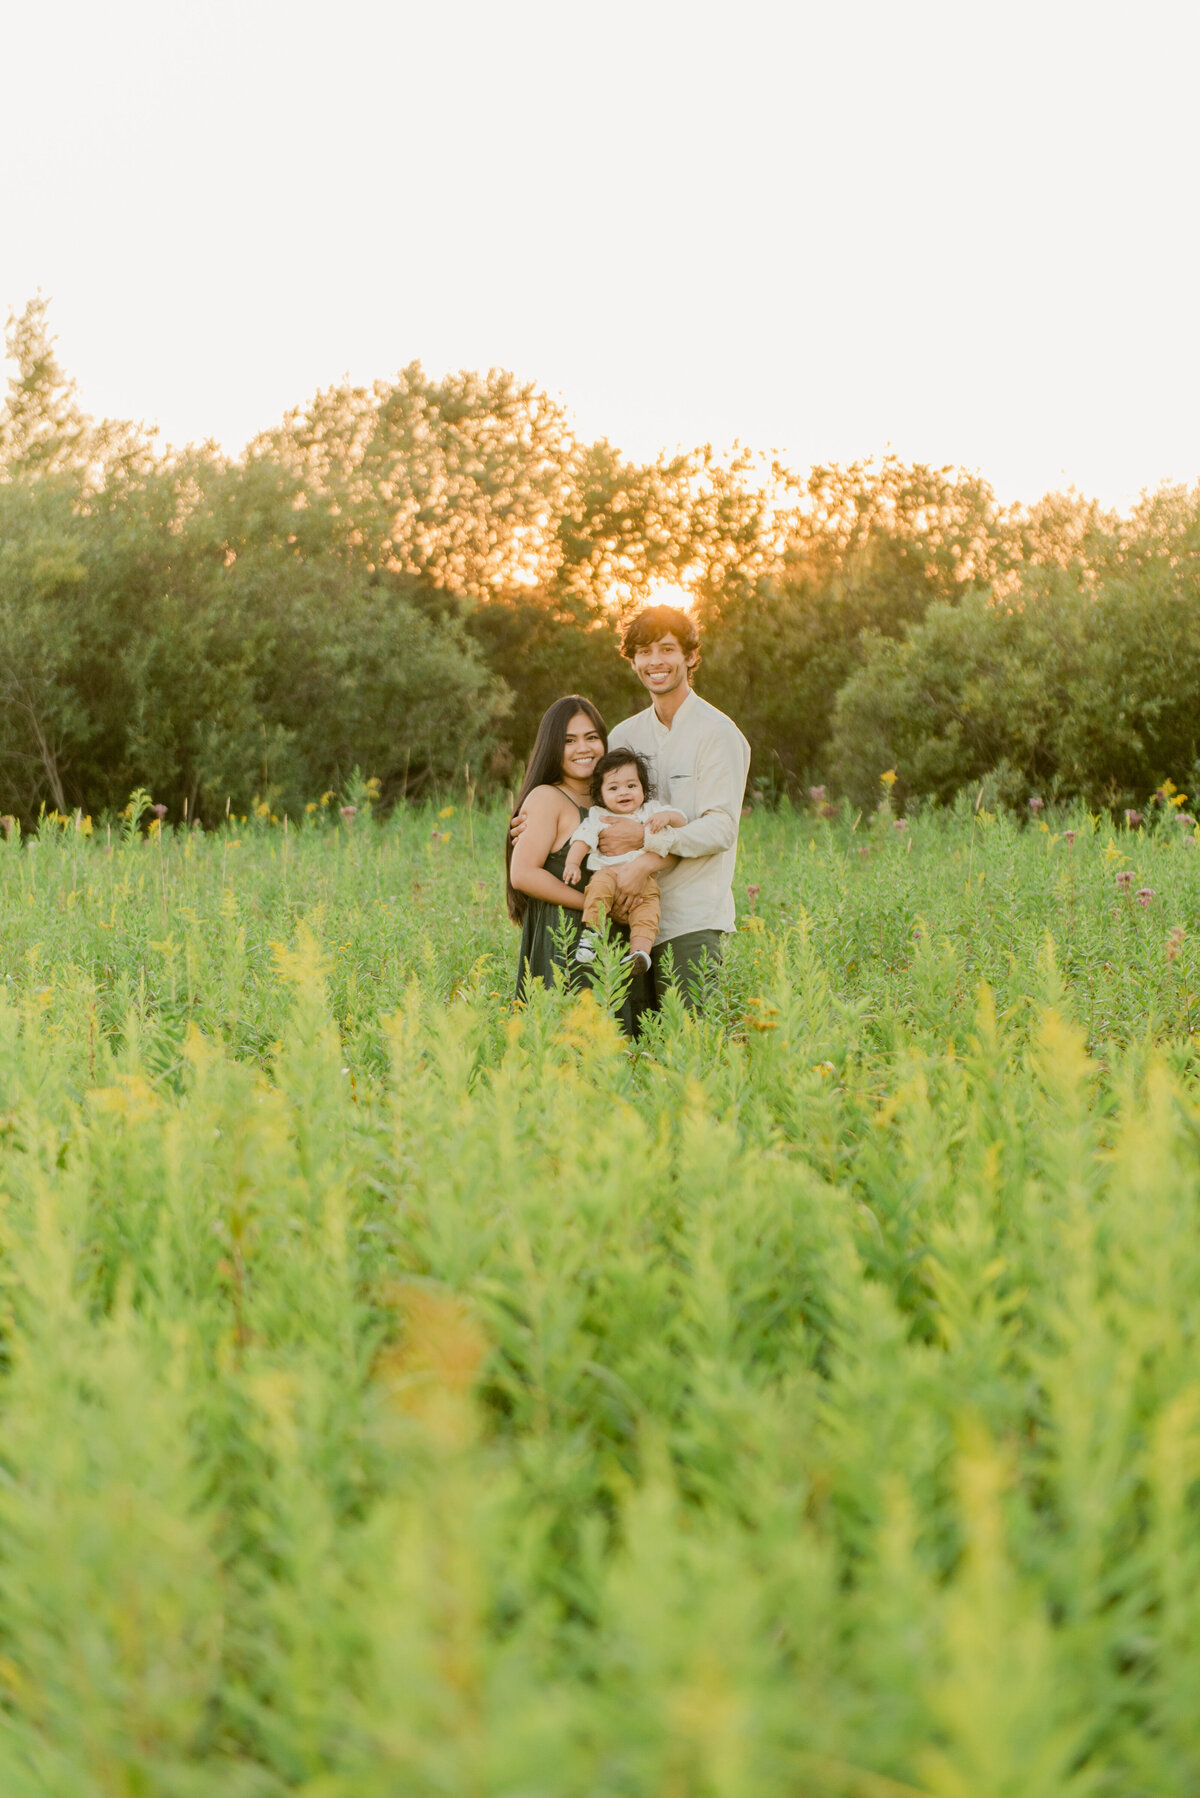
(963, 230)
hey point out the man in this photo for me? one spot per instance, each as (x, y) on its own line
(699, 760)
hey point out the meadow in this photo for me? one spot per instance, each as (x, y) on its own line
(407, 1393)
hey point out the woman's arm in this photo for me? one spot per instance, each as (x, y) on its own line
(543, 816)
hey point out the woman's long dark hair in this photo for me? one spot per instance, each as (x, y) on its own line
(545, 769)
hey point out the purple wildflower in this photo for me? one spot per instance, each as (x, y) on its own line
(1037, 804)
(817, 795)
(1133, 819)
(160, 812)
(1125, 878)
(1143, 896)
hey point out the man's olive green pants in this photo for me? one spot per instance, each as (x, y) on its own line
(689, 962)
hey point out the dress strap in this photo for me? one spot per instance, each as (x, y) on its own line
(583, 810)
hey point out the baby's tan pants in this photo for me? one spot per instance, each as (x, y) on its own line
(639, 910)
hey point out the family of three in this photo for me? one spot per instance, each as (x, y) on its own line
(639, 827)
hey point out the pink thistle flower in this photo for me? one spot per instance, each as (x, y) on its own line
(1133, 819)
(752, 893)
(1185, 818)
(1037, 804)
(900, 824)
(348, 812)
(159, 811)
(1070, 836)
(817, 795)
(1125, 878)
(1143, 896)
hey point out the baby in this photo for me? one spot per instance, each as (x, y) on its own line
(620, 783)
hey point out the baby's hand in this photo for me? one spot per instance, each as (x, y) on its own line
(660, 821)
(571, 875)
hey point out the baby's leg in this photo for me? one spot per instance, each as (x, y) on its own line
(598, 896)
(642, 911)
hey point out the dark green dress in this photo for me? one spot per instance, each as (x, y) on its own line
(549, 934)
(543, 923)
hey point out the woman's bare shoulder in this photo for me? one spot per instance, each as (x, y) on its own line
(545, 801)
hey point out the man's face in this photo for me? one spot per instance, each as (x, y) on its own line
(621, 789)
(662, 666)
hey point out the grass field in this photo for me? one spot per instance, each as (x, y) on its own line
(403, 1394)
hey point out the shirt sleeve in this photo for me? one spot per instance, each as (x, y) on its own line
(721, 769)
(589, 830)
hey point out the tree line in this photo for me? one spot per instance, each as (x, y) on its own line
(399, 578)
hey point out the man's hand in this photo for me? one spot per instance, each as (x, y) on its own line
(621, 835)
(517, 823)
(631, 874)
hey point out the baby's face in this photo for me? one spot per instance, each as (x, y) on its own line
(621, 790)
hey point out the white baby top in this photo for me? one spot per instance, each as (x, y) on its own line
(597, 818)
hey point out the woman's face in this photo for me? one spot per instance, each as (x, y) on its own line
(583, 748)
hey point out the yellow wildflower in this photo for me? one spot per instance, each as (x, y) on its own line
(888, 777)
(447, 811)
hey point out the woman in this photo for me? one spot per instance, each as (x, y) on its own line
(555, 797)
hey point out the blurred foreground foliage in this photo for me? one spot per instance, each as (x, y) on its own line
(401, 577)
(404, 1393)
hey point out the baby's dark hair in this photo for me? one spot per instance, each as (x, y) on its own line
(620, 758)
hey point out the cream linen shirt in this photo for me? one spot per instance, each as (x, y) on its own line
(699, 767)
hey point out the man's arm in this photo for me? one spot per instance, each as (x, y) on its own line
(720, 777)
(631, 874)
